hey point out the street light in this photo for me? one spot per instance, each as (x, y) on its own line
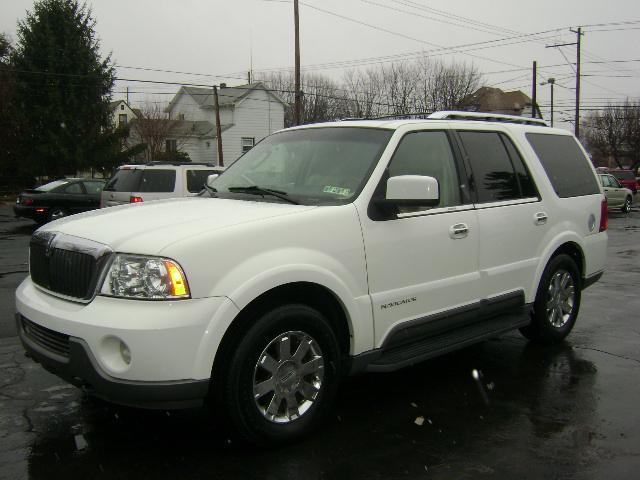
(551, 82)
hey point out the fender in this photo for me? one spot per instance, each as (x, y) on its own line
(552, 246)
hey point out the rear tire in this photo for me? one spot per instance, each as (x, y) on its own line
(557, 302)
(280, 378)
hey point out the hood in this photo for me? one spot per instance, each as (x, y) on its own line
(147, 228)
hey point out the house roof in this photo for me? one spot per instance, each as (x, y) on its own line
(189, 128)
(227, 96)
(488, 99)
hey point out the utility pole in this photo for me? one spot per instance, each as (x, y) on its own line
(297, 106)
(218, 129)
(551, 82)
(534, 84)
(577, 43)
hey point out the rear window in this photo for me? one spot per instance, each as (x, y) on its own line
(158, 181)
(196, 179)
(623, 174)
(126, 180)
(565, 164)
(138, 180)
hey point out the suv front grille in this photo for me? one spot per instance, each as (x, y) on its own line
(55, 342)
(65, 265)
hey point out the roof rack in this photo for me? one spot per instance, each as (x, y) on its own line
(178, 163)
(487, 117)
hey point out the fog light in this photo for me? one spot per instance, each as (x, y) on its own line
(125, 353)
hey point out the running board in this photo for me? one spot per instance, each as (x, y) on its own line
(390, 359)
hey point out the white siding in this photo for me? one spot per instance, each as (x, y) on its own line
(187, 106)
(198, 150)
(119, 111)
(256, 116)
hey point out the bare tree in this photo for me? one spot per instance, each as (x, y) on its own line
(605, 133)
(153, 128)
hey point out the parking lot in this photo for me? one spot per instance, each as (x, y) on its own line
(570, 411)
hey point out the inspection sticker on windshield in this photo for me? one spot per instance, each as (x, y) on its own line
(345, 192)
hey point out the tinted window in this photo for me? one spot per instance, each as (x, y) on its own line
(125, 180)
(73, 188)
(565, 164)
(428, 154)
(196, 179)
(158, 181)
(93, 187)
(527, 186)
(613, 182)
(494, 178)
(623, 174)
(51, 185)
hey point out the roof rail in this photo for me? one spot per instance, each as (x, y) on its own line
(180, 162)
(487, 117)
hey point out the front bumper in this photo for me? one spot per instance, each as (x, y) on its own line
(81, 369)
(171, 344)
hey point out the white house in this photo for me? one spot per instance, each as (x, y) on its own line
(248, 113)
(122, 113)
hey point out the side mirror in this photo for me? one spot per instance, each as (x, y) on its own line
(413, 190)
(211, 178)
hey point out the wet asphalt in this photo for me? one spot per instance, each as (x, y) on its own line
(566, 412)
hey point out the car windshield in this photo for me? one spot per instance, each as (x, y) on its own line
(47, 187)
(311, 166)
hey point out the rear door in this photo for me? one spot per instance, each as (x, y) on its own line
(512, 218)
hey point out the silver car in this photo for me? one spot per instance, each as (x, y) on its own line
(617, 195)
(155, 181)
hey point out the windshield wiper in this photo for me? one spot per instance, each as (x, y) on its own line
(211, 190)
(256, 190)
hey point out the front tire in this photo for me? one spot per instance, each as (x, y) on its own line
(282, 376)
(626, 208)
(56, 213)
(557, 302)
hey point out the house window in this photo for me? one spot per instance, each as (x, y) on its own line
(181, 116)
(172, 146)
(121, 106)
(122, 119)
(247, 143)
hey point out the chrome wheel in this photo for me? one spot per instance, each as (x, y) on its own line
(561, 299)
(288, 376)
(627, 205)
(57, 213)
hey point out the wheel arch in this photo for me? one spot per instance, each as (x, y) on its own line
(308, 293)
(568, 246)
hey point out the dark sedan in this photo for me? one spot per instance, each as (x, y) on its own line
(58, 199)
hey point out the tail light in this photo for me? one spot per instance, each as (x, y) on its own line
(26, 201)
(604, 215)
(135, 199)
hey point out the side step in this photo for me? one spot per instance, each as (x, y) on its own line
(394, 358)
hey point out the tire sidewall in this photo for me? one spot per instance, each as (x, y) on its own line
(243, 413)
(546, 331)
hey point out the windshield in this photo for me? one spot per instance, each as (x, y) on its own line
(47, 187)
(313, 166)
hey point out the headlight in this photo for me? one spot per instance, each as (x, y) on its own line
(146, 278)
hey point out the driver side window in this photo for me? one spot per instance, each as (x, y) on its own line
(428, 154)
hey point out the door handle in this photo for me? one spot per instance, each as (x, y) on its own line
(459, 230)
(540, 218)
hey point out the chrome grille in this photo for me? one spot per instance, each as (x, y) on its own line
(48, 339)
(65, 265)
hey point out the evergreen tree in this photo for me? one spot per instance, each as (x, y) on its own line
(62, 88)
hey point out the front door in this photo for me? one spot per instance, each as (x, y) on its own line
(422, 261)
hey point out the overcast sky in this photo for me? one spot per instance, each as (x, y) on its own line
(224, 38)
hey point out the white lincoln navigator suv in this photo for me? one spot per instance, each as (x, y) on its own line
(325, 250)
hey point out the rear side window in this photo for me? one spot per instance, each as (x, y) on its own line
(623, 174)
(158, 181)
(196, 179)
(125, 180)
(494, 177)
(565, 164)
